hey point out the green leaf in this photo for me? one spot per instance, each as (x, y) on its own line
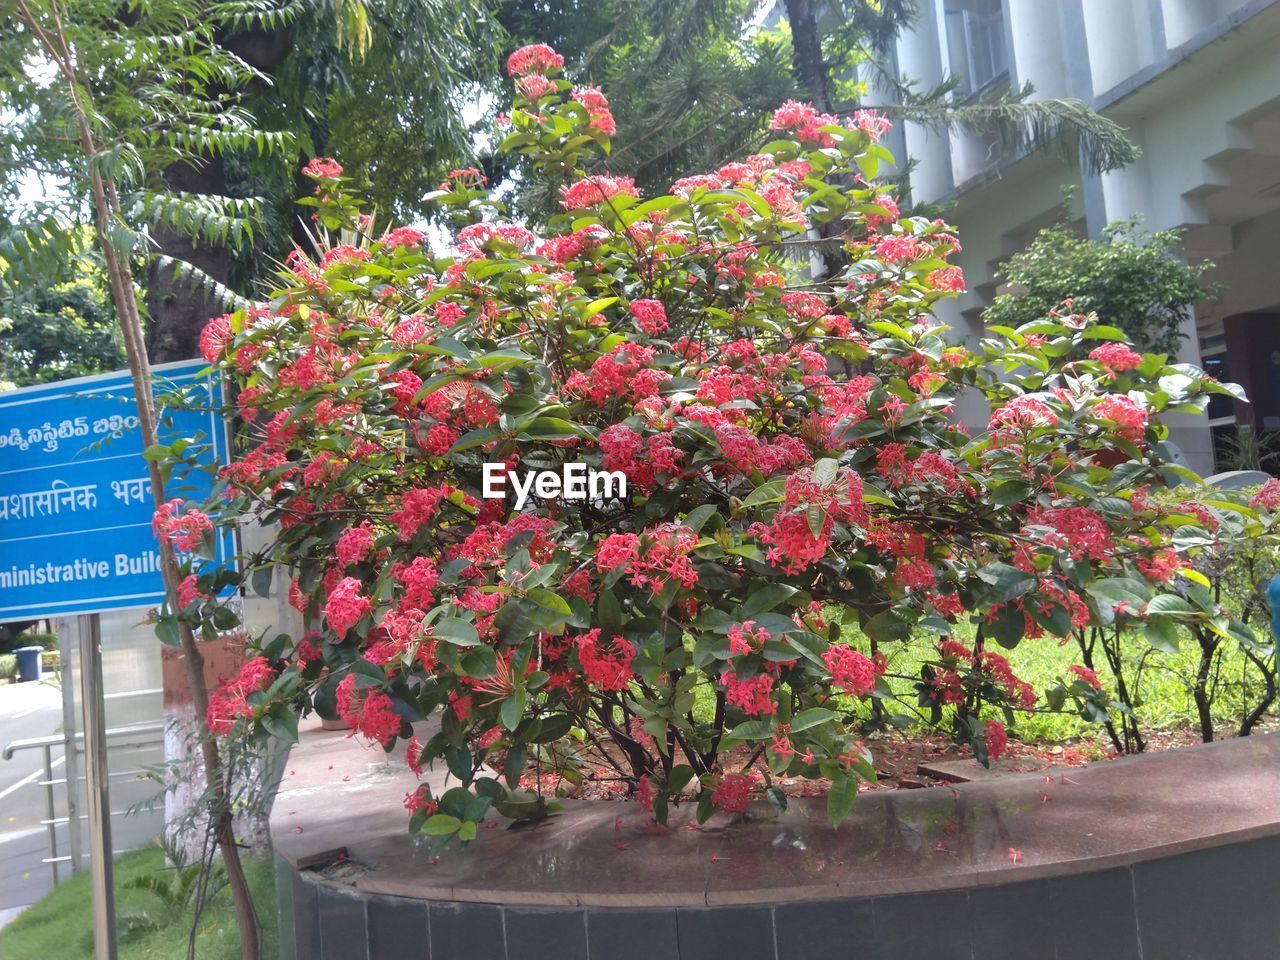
(549, 600)
(887, 626)
(766, 598)
(770, 492)
(1007, 626)
(553, 728)
(479, 662)
(441, 825)
(813, 717)
(1169, 603)
(777, 799)
(751, 730)
(1007, 583)
(458, 632)
(553, 428)
(1162, 634)
(844, 790)
(609, 612)
(167, 630)
(513, 708)
(698, 516)
(282, 723)
(825, 471)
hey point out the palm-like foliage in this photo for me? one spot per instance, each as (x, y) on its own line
(160, 89)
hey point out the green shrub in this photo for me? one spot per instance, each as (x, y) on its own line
(49, 641)
(8, 665)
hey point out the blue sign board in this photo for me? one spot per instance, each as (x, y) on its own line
(75, 496)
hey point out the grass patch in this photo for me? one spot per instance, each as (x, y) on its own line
(1160, 682)
(61, 925)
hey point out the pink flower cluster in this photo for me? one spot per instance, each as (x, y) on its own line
(851, 671)
(594, 190)
(805, 122)
(606, 663)
(229, 703)
(185, 530)
(345, 606)
(368, 712)
(534, 58)
(1116, 357)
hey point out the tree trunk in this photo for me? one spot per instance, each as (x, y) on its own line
(180, 308)
(806, 57)
(1086, 655)
(1208, 646)
(106, 206)
(1262, 706)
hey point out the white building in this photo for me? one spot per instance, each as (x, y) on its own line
(1196, 84)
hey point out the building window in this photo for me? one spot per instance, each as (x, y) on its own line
(975, 43)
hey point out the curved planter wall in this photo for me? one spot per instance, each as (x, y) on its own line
(1173, 855)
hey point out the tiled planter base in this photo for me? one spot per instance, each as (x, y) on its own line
(1218, 904)
(1173, 856)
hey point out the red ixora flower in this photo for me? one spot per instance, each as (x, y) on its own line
(345, 606)
(651, 316)
(606, 664)
(214, 338)
(189, 591)
(1268, 498)
(229, 702)
(594, 190)
(732, 792)
(323, 168)
(851, 671)
(534, 58)
(185, 530)
(1087, 675)
(1116, 357)
(368, 712)
(997, 739)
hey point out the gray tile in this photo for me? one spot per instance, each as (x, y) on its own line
(923, 926)
(287, 948)
(306, 918)
(343, 934)
(556, 934)
(632, 935)
(467, 931)
(731, 933)
(398, 929)
(832, 929)
(1007, 919)
(1095, 915)
(1222, 903)
(1088, 915)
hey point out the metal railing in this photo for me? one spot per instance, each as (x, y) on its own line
(136, 735)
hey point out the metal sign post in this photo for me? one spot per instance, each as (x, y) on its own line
(98, 806)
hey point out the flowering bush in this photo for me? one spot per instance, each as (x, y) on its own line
(799, 493)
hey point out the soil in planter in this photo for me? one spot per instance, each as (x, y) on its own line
(897, 758)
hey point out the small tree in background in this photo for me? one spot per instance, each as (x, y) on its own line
(1136, 278)
(60, 330)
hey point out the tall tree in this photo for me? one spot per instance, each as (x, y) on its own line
(694, 81)
(110, 99)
